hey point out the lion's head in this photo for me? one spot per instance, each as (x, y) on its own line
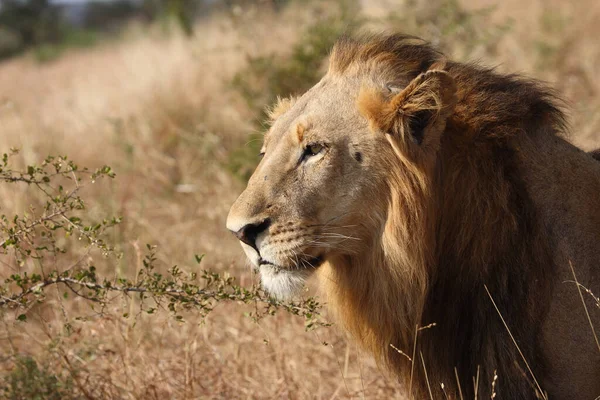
(323, 188)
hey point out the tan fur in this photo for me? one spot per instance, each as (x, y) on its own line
(300, 129)
(436, 181)
(280, 106)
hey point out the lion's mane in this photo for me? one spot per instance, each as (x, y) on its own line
(453, 229)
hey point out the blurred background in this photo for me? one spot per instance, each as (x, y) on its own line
(171, 94)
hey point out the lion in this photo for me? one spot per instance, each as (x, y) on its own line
(424, 192)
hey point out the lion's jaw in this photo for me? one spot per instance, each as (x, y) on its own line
(280, 282)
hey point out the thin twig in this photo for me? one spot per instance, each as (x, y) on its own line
(426, 377)
(539, 388)
(401, 352)
(177, 294)
(458, 383)
(585, 306)
(412, 367)
(37, 222)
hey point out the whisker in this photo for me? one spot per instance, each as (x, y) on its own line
(331, 220)
(337, 235)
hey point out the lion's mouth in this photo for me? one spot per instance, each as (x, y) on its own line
(296, 264)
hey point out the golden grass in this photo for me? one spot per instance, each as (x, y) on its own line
(538, 388)
(584, 305)
(160, 111)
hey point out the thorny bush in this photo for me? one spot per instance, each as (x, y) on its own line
(40, 237)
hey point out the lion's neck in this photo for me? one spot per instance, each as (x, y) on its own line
(379, 294)
(407, 278)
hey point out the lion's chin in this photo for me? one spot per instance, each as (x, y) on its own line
(283, 284)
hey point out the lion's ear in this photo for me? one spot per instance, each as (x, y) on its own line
(416, 113)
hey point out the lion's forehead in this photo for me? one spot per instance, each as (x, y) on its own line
(327, 108)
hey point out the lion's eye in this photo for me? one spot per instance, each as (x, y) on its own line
(261, 154)
(313, 149)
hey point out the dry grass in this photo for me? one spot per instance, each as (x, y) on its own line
(161, 112)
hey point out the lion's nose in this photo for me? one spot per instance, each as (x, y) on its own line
(248, 233)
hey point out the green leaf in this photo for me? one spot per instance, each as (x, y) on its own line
(22, 318)
(199, 258)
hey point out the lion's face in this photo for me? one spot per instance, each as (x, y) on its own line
(321, 190)
(305, 202)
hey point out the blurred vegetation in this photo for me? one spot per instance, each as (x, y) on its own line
(54, 230)
(268, 76)
(42, 26)
(30, 381)
(71, 39)
(26, 24)
(549, 47)
(448, 25)
(182, 12)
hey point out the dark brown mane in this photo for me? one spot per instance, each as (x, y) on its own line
(401, 55)
(493, 105)
(487, 229)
